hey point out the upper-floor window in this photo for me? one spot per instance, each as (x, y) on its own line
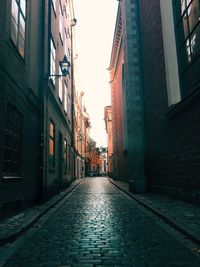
(12, 143)
(52, 59)
(187, 27)
(65, 156)
(18, 25)
(61, 31)
(65, 98)
(60, 86)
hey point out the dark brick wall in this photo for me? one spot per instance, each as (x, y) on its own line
(172, 138)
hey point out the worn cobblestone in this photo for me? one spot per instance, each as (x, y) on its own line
(97, 226)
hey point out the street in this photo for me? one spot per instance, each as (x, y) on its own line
(96, 225)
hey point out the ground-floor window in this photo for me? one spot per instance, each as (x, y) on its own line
(12, 143)
(52, 144)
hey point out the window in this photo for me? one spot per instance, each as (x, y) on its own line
(54, 5)
(18, 25)
(12, 143)
(52, 59)
(65, 156)
(187, 27)
(61, 22)
(52, 144)
(65, 97)
(60, 86)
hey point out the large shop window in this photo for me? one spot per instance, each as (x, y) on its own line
(12, 143)
(187, 25)
(18, 25)
(52, 144)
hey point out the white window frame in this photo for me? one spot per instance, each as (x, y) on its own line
(170, 53)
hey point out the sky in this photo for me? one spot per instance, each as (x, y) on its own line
(93, 38)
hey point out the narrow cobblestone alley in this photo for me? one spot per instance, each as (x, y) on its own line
(96, 225)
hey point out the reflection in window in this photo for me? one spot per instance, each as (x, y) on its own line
(65, 97)
(60, 86)
(52, 59)
(61, 23)
(18, 24)
(52, 144)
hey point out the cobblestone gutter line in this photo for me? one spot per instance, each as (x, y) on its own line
(177, 226)
(15, 226)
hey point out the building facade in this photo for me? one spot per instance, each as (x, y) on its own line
(108, 124)
(20, 73)
(127, 107)
(36, 137)
(170, 47)
(57, 130)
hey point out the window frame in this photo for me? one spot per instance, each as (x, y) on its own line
(187, 57)
(52, 59)
(17, 137)
(21, 16)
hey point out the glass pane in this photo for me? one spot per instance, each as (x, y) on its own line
(15, 11)
(182, 31)
(21, 45)
(196, 69)
(183, 6)
(14, 30)
(51, 147)
(51, 130)
(23, 6)
(195, 42)
(22, 26)
(194, 14)
(187, 81)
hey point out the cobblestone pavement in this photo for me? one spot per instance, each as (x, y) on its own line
(184, 215)
(99, 226)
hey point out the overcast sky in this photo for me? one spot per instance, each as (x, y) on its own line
(94, 36)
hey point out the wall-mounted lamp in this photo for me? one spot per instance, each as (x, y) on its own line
(64, 66)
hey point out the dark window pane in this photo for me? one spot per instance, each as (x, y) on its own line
(12, 143)
(187, 81)
(196, 69)
(182, 31)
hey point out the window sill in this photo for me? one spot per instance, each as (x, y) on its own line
(7, 177)
(184, 103)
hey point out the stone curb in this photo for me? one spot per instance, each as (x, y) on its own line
(180, 228)
(44, 208)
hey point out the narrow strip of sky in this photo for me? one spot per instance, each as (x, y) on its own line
(94, 36)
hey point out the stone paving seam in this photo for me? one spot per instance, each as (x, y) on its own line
(162, 216)
(15, 233)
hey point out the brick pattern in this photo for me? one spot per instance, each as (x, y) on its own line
(172, 142)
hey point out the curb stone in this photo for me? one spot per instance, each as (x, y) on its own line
(177, 226)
